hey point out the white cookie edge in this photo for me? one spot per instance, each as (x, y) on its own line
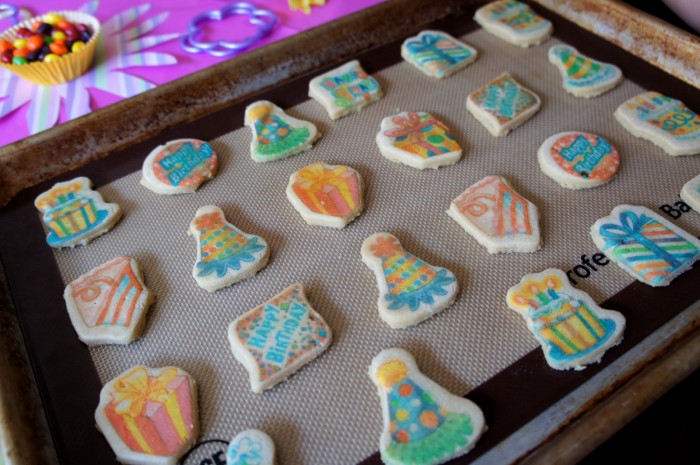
(690, 193)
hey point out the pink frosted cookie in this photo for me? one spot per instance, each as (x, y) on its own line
(178, 167)
(578, 160)
(278, 337)
(108, 304)
(149, 415)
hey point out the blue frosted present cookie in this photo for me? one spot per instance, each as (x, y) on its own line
(650, 248)
(437, 53)
(583, 76)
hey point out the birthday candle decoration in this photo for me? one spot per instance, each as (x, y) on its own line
(424, 424)
(514, 22)
(650, 248)
(277, 135)
(345, 89)
(417, 139)
(75, 214)
(662, 120)
(502, 105)
(410, 290)
(225, 254)
(277, 338)
(572, 330)
(149, 415)
(437, 53)
(583, 76)
(496, 216)
(326, 195)
(108, 304)
(690, 193)
(178, 167)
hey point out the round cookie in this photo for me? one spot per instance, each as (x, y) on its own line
(179, 167)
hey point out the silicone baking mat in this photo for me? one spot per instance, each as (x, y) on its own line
(329, 411)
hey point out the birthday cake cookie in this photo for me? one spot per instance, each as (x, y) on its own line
(345, 90)
(424, 424)
(75, 214)
(496, 216)
(179, 167)
(278, 337)
(515, 22)
(417, 139)
(225, 254)
(578, 160)
(326, 195)
(108, 304)
(665, 121)
(572, 330)
(410, 290)
(650, 248)
(437, 53)
(149, 416)
(277, 135)
(583, 76)
(502, 105)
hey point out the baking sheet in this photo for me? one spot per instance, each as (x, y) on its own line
(329, 412)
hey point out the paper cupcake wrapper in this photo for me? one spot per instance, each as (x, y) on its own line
(65, 69)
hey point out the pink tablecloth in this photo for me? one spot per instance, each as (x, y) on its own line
(29, 110)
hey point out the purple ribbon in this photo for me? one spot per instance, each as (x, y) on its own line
(11, 11)
(265, 20)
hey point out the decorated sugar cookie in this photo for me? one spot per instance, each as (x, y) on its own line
(496, 216)
(345, 90)
(275, 134)
(418, 139)
(502, 105)
(424, 424)
(653, 250)
(410, 290)
(251, 447)
(326, 195)
(578, 160)
(662, 120)
(437, 53)
(75, 214)
(149, 415)
(583, 76)
(225, 254)
(179, 167)
(690, 193)
(572, 330)
(108, 304)
(514, 22)
(277, 338)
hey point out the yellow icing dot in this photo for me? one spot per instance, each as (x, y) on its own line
(402, 414)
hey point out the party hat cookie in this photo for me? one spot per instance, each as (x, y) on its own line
(578, 160)
(514, 22)
(417, 139)
(502, 105)
(108, 304)
(424, 424)
(75, 214)
(690, 193)
(326, 195)
(650, 248)
(410, 290)
(572, 330)
(149, 415)
(345, 89)
(662, 120)
(277, 338)
(251, 447)
(179, 167)
(583, 76)
(225, 254)
(275, 134)
(496, 216)
(437, 53)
